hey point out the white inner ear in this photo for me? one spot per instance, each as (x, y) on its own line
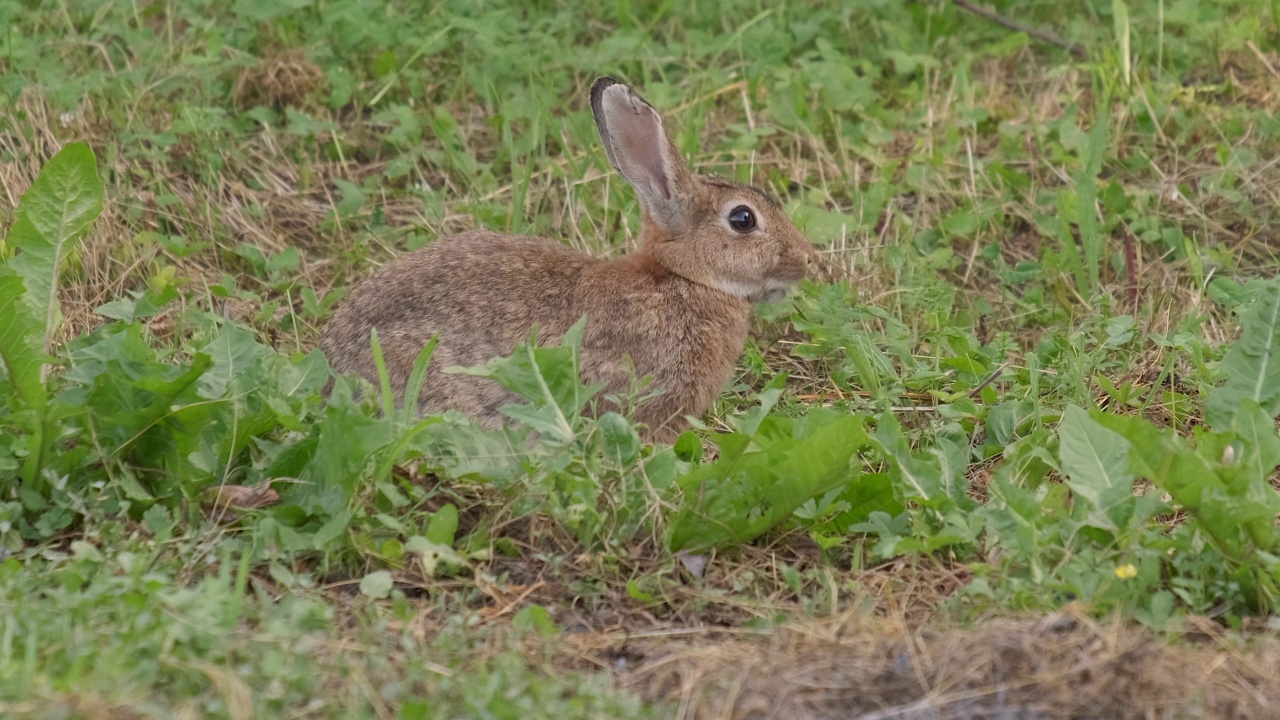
(640, 146)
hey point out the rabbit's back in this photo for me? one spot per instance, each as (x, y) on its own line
(480, 291)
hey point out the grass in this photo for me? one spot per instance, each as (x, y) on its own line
(1018, 444)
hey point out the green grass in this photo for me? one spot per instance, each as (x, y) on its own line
(1019, 385)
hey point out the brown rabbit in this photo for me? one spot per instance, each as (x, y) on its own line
(679, 306)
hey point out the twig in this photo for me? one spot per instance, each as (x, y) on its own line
(1263, 59)
(1016, 26)
(990, 379)
(1131, 265)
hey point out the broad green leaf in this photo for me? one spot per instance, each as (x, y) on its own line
(1249, 475)
(20, 345)
(547, 377)
(457, 449)
(1233, 518)
(757, 482)
(348, 441)
(535, 617)
(1023, 522)
(333, 529)
(435, 557)
(1257, 430)
(52, 216)
(916, 479)
(934, 477)
(1252, 364)
(750, 421)
(233, 353)
(256, 390)
(872, 492)
(139, 305)
(1095, 462)
(133, 399)
(376, 585)
(621, 442)
(443, 525)
(688, 447)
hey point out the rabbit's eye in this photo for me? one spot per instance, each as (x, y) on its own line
(742, 219)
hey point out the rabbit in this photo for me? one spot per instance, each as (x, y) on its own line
(677, 309)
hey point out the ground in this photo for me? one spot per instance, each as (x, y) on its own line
(1041, 234)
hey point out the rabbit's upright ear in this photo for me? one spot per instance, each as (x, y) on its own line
(639, 148)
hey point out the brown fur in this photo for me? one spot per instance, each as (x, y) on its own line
(679, 307)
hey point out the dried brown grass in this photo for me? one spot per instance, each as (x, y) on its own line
(856, 665)
(282, 79)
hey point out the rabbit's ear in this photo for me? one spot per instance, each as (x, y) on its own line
(638, 146)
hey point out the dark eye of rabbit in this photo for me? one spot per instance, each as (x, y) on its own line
(742, 219)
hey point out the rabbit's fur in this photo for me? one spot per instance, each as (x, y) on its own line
(679, 306)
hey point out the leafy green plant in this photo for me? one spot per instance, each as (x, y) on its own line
(766, 470)
(1252, 364)
(1228, 497)
(53, 215)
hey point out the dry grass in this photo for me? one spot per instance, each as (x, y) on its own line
(284, 79)
(1062, 665)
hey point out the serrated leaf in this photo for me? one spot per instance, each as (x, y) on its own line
(1017, 520)
(353, 197)
(134, 399)
(232, 352)
(159, 522)
(688, 447)
(140, 305)
(546, 376)
(759, 481)
(19, 344)
(435, 557)
(749, 422)
(934, 477)
(458, 450)
(348, 439)
(1252, 364)
(621, 442)
(52, 216)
